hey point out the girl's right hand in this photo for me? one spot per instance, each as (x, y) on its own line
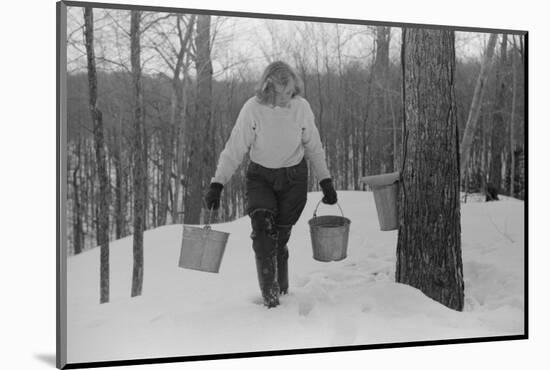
(212, 198)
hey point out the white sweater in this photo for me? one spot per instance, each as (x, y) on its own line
(275, 137)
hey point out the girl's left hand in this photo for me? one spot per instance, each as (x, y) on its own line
(329, 194)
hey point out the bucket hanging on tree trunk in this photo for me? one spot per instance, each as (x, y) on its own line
(329, 236)
(202, 248)
(385, 189)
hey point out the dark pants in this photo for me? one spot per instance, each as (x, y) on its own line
(275, 201)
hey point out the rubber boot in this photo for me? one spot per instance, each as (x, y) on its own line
(264, 243)
(267, 277)
(282, 269)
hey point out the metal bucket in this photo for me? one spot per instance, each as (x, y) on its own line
(329, 236)
(385, 190)
(202, 248)
(385, 198)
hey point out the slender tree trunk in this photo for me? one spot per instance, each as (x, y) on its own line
(512, 122)
(85, 184)
(78, 232)
(373, 141)
(120, 181)
(200, 159)
(101, 172)
(499, 126)
(169, 137)
(139, 155)
(381, 79)
(475, 107)
(429, 242)
(181, 161)
(485, 152)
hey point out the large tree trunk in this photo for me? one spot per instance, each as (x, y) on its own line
(475, 107)
(499, 126)
(429, 242)
(200, 159)
(101, 163)
(139, 156)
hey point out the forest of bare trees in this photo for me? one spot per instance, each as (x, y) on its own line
(167, 95)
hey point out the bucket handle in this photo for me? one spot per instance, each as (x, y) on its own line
(210, 212)
(207, 226)
(315, 212)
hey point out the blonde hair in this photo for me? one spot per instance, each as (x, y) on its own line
(277, 73)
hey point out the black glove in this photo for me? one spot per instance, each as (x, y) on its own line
(212, 198)
(329, 193)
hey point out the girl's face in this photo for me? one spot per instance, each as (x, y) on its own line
(283, 94)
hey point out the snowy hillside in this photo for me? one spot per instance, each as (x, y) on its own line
(355, 301)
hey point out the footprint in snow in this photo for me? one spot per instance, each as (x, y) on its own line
(345, 332)
(305, 305)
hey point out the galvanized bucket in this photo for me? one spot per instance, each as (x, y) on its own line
(329, 236)
(385, 190)
(202, 248)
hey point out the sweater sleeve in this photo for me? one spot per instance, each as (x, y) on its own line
(237, 146)
(313, 148)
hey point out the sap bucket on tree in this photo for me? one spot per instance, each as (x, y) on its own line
(385, 189)
(329, 236)
(202, 248)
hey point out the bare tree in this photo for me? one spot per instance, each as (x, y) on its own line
(475, 107)
(381, 80)
(177, 63)
(498, 125)
(139, 155)
(512, 120)
(199, 159)
(429, 242)
(103, 179)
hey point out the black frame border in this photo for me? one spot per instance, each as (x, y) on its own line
(61, 323)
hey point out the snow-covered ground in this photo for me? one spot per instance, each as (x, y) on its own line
(351, 302)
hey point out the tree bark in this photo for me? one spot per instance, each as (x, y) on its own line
(429, 241)
(199, 157)
(139, 156)
(475, 107)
